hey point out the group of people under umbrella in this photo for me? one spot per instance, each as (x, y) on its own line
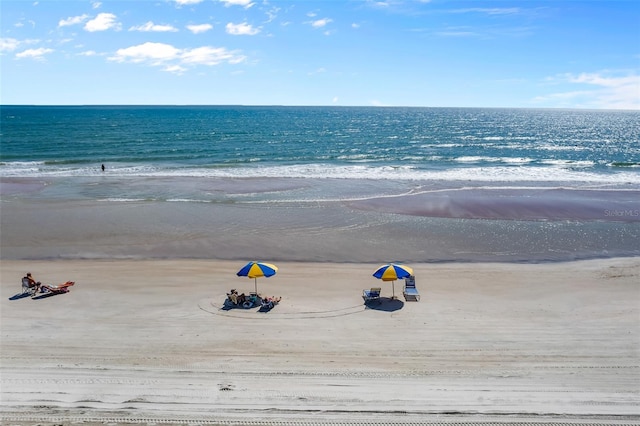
(389, 272)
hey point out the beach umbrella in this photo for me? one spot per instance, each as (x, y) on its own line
(393, 272)
(256, 270)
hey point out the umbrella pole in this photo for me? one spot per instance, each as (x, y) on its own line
(393, 289)
(255, 281)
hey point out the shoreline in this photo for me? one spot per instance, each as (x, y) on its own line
(245, 259)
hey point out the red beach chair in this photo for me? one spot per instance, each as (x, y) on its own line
(56, 289)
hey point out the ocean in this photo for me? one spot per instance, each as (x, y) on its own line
(323, 142)
(321, 183)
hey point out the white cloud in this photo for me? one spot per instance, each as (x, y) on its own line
(200, 28)
(175, 69)
(244, 3)
(272, 14)
(483, 33)
(613, 92)
(88, 53)
(319, 23)
(601, 92)
(208, 56)
(102, 22)
(599, 80)
(37, 54)
(72, 20)
(456, 33)
(241, 29)
(320, 70)
(21, 24)
(185, 2)
(379, 4)
(151, 27)
(155, 53)
(8, 44)
(176, 60)
(11, 44)
(490, 10)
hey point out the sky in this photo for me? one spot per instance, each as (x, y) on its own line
(426, 53)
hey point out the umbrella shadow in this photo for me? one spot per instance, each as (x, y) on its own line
(385, 304)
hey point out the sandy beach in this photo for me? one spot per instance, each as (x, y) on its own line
(147, 341)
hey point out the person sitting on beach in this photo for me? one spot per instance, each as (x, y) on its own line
(241, 299)
(270, 302)
(32, 281)
(233, 296)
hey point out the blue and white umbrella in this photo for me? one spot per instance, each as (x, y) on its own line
(256, 270)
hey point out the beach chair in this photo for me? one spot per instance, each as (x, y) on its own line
(28, 287)
(56, 289)
(410, 291)
(373, 294)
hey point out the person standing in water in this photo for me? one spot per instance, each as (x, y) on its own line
(103, 167)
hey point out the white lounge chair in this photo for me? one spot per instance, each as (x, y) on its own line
(410, 291)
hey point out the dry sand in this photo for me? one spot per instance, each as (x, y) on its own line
(148, 342)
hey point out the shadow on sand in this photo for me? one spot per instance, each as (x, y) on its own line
(386, 304)
(45, 295)
(19, 296)
(228, 307)
(39, 296)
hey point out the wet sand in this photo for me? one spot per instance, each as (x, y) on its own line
(148, 342)
(440, 225)
(521, 204)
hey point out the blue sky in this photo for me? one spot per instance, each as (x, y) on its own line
(541, 54)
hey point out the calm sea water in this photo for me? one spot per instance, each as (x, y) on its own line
(321, 183)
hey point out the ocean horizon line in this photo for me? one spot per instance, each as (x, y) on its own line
(168, 105)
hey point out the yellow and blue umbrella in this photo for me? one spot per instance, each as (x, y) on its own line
(393, 272)
(256, 270)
